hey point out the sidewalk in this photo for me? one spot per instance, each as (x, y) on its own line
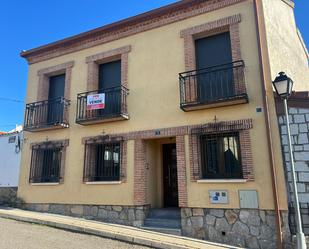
(112, 231)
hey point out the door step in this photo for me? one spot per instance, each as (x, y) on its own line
(164, 220)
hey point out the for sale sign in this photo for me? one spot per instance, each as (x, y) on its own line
(96, 101)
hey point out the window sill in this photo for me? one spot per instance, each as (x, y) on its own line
(103, 183)
(45, 184)
(222, 181)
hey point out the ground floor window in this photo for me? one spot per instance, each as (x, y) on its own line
(220, 156)
(102, 161)
(47, 161)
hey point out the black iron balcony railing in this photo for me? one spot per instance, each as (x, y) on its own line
(213, 86)
(47, 114)
(115, 106)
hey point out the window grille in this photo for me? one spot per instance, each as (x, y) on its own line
(46, 162)
(102, 160)
(220, 156)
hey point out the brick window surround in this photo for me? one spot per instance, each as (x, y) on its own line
(228, 24)
(108, 139)
(45, 73)
(240, 126)
(95, 60)
(63, 144)
(189, 35)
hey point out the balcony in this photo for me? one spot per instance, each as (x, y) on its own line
(47, 114)
(211, 87)
(115, 106)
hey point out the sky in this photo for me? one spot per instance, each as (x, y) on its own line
(29, 24)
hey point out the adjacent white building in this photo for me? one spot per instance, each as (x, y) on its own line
(10, 152)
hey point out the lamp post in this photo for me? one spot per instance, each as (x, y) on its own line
(283, 86)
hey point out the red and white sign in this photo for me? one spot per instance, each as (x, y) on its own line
(96, 101)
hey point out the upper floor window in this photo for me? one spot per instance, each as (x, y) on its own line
(214, 70)
(220, 156)
(107, 83)
(51, 108)
(214, 78)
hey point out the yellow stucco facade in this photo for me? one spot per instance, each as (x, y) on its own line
(154, 62)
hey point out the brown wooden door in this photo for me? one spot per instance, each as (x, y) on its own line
(170, 181)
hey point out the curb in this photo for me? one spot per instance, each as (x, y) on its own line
(128, 234)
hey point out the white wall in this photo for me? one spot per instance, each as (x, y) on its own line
(9, 160)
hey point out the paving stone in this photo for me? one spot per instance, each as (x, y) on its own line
(197, 212)
(303, 177)
(244, 215)
(235, 239)
(197, 221)
(252, 243)
(301, 166)
(123, 215)
(216, 212)
(139, 215)
(266, 232)
(303, 138)
(303, 110)
(102, 213)
(213, 234)
(210, 220)
(293, 110)
(262, 215)
(77, 210)
(298, 148)
(186, 212)
(222, 225)
(91, 211)
(301, 156)
(300, 118)
(240, 228)
(255, 231)
(303, 128)
(113, 215)
(254, 219)
(117, 208)
(294, 129)
(131, 214)
(231, 216)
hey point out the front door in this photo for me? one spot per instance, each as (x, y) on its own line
(170, 180)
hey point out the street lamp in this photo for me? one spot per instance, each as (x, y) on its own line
(283, 86)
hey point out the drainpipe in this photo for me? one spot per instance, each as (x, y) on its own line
(265, 67)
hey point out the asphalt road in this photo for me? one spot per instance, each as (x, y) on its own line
(20, 235)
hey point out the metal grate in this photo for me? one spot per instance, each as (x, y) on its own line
(304, 211)
(220, 156)
(102, 161)
(46, 163)
(213, 84)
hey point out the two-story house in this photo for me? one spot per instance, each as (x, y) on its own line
(166, 121)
